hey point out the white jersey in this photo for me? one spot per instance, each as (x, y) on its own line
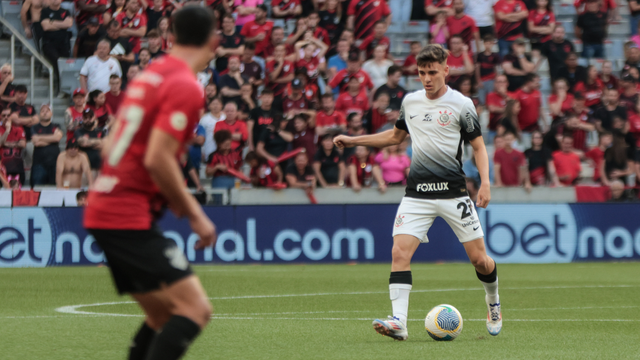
(438, 129)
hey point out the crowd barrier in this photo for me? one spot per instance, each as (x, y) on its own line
(532, 233)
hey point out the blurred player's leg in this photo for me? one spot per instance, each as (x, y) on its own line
(156, 307)
(190, 313)
(487, 273)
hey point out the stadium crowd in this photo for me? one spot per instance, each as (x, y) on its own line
(277, 95)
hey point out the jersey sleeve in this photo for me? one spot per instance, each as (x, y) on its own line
(337, 79)
(180, 109)
(401, 122)
(469, 124)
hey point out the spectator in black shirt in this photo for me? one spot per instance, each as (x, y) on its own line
(299, 174)
(121, 48)
(155, 12)
(330, 19)
(231, 81)
(7, 90)
(556, 51)
(88, 38)
(629, 94)
(611, 109)
(231, 43)
(631, 56)
(260, 118)
(45, 137)
(55, 23)
(328, 164)
(392, 87)
(89, 137)
(591, 28)
(274, 141)
(572, 72)
(27, 116)
(155, 44)
(541, 168)
(517, 65)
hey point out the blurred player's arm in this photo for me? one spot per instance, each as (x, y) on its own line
(86, 168)
(482, 162)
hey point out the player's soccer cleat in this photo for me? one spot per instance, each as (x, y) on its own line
(392, 327)
(494, 318)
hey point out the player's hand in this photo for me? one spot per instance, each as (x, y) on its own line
(343, 141)
(484, 196)
(204, 228)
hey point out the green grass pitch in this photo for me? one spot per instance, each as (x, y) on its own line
(557, 311)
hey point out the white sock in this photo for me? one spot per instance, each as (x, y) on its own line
(492, 291)
(399, 295)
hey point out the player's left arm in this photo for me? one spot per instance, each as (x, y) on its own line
(470, 128)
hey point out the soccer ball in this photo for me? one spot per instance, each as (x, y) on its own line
(443, 323)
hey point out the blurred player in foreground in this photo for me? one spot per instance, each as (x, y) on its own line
(439, 120)
(140, 176)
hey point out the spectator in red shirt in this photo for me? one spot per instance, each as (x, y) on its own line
(97, 103)
(375, 39)
(530, 103)
(12, 143)
(276, 38)
(463, 25)
(362, 170)
(238, 129)
(330, 119)
(628, 92)
(354, 100)
(224, 158)
(497, 103)
(73, 114)
(318, 32)
(113, 98)
(376, 117)
(459, 61)
(577, 129)
(286, 9)
(608, 79)
(596, 155)
(87, 9)
(280, 72)
(341, 79)
(509, 17)
(510, 165)
(304, 135)
(540, 161)
(309, 55)
(561, 100)
(296, 102)
(541, 23)
(567, 162)
(591, 88)
(134, 25)
(362, 15)
(263, 174)
(410, 66)
(433, 7)
(258, 31)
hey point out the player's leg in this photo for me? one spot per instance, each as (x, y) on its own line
(487, 273)
(413, 220)
(190, 312)
(157, 312)
(461, 215)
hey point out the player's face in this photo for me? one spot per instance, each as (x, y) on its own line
(432, 76)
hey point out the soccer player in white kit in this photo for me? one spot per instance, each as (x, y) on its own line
(439, 120)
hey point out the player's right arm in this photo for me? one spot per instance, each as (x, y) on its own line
(380, 140)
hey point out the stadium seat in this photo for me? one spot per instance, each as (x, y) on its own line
(417, 27)
(11, 12)
(413, 83)
(69, 70)
(564, 10)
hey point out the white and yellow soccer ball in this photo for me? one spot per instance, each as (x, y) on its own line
(443, 323)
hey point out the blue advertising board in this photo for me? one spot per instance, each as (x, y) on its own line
(528, 233)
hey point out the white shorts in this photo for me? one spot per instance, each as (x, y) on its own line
(415, 217)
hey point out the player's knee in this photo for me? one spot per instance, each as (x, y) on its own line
(480, 262)
(400, 255)
(157, 320)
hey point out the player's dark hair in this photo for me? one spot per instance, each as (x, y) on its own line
(433, 53)
(393, 69)
(221, 136)
(192, 25)
(21, 89)
(488, 38)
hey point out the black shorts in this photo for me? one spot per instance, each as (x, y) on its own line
(141, 260)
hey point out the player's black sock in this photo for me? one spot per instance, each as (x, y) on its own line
(490, 278)
(401, 277)
(174, 339)
(141, 342)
